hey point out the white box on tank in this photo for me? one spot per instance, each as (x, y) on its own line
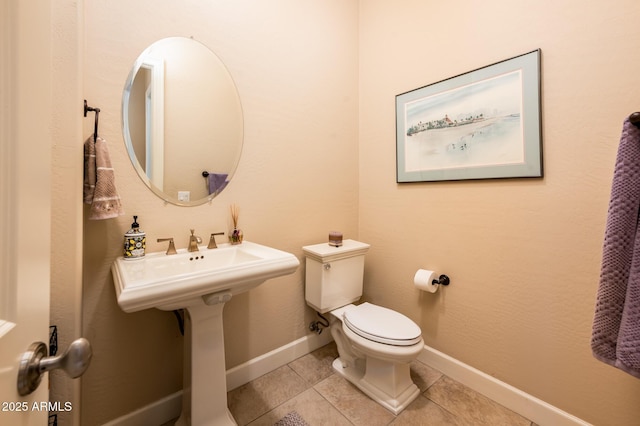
(334, 275)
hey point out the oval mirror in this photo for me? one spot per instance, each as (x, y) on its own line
(182, 121)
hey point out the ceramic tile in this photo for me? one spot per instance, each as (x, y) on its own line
(423, 376)
(311, 406)
(250, 401)
(352, 403)
(316, 366)
(469, 406)
(422, 412)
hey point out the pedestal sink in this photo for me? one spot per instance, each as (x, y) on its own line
(200, 282)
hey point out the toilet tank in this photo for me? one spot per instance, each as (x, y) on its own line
(333, 276)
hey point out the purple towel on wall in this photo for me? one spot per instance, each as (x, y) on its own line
(217, 182)
(615, 337)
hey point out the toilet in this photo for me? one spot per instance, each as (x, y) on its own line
(375, 344)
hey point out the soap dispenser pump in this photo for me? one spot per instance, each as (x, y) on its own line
(135, 241)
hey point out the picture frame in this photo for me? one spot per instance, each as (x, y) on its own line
(483, 124)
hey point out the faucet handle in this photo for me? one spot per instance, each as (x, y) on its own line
(172, 247)
(212, 240)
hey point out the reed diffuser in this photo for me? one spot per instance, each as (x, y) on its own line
(235, 236)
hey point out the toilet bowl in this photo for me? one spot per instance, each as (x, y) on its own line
(372, 358)
(375, 344)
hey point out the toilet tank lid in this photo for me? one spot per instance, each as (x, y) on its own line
(327, 253)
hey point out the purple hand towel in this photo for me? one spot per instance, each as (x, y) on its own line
(217, 182)
(615, 337)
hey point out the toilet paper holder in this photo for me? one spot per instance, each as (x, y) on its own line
(429, 281)
(442, 280)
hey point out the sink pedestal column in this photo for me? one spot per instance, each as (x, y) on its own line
(204, 400)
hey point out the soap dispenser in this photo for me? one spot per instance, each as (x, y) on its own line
(135, 241)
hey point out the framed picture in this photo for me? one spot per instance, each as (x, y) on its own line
(483, 124)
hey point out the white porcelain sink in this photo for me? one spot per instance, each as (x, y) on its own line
(200, 282)
(177, 281)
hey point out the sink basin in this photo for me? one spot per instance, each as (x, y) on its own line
(211, 276)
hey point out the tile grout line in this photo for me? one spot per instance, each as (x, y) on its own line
(313, 387)
(329, 402)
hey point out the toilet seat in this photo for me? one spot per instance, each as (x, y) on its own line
(382, 325)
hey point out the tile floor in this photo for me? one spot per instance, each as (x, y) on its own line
(309, 386)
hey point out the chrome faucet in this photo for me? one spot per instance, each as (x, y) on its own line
(194, 240)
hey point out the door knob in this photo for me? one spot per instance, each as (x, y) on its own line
(35, 362)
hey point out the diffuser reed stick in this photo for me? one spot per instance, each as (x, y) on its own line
(236, 234)
(235, 213)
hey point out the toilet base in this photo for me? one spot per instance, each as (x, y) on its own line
(388, 384)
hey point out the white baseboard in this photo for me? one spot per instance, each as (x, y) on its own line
(169, 407)
(156, 413)
(504, 394)
(259, 366)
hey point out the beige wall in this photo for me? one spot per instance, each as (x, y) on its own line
(318, 81)
(523, 255)
(295, 65)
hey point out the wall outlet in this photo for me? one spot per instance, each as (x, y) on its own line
(184, 196)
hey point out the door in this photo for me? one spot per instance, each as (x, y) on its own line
(25, 212)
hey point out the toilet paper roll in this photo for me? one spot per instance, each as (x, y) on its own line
(423, 280)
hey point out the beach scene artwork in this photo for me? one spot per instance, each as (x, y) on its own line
(475, 125)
